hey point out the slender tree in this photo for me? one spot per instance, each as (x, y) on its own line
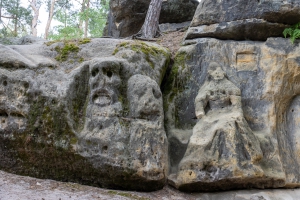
(87, 19)
(54, 6)
(36, 10)
(51, 5)
(1, 11)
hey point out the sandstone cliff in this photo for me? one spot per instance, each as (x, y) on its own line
(222, 115)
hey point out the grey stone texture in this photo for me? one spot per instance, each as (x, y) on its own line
(247, 29)
(243, 19)
(169, 27)
(67, 112)
(92, 111)
(222, 146)
(246, 134)
(127, 16)
(24, 187)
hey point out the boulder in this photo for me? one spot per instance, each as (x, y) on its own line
(243, 19)
(231, 115)
(170, 27)
(126, 17)
(86, 111)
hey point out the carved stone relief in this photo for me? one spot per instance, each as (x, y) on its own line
(222, 147)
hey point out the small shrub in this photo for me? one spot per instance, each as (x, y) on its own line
(293, 32)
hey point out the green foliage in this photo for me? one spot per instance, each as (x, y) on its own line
(68, 28)
(72, 21)
(293, 32)
(17, 19)
(97, 21)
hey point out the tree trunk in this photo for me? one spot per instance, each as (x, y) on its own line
(80, 19)
(50, 17)
(150, 26)
(35, 18)
(87, 19)
(0, 11)
(16, 18)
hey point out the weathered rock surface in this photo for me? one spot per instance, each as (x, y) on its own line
(21, 187)
(222, 146)
(20, 41)
(169, 27)
(254, 145)
(243, 19)
(67, 112)
(247, 29)
(127, 16)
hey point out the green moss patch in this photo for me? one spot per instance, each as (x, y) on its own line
(142, 47)
(69, 49)
(175, 81)
(84, 41)
(65, 51)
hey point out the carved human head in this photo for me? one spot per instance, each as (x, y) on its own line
(215, 71)
(145, 98)
(104, 82)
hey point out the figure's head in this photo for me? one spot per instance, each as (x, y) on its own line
(104, 82)
(145, 98)
(215, 71)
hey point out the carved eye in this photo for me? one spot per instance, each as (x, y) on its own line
(95, 72)
(26, 85)
(5, 83)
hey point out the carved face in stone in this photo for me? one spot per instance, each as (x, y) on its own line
(218, 93)
(215, 71)
(145, 98)
(104, 83)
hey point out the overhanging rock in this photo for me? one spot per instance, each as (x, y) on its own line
(243, 19)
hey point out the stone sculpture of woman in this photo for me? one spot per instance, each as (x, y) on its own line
(223, 152)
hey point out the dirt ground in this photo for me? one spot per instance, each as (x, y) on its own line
(172, 40)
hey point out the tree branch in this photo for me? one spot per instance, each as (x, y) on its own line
(6, 26)
(61, 7)
(8, 17)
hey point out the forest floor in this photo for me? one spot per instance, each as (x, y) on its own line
(172, 40)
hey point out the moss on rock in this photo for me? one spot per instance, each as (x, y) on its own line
(142, 47)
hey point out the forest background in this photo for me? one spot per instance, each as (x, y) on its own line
(53, 19)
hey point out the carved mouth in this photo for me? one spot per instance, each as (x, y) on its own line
(102, 98)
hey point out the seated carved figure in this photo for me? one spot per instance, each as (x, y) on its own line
(223, 152)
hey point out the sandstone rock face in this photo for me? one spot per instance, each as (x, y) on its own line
(234, 127)
(84, 111)
(127, 16)
(243, 19)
